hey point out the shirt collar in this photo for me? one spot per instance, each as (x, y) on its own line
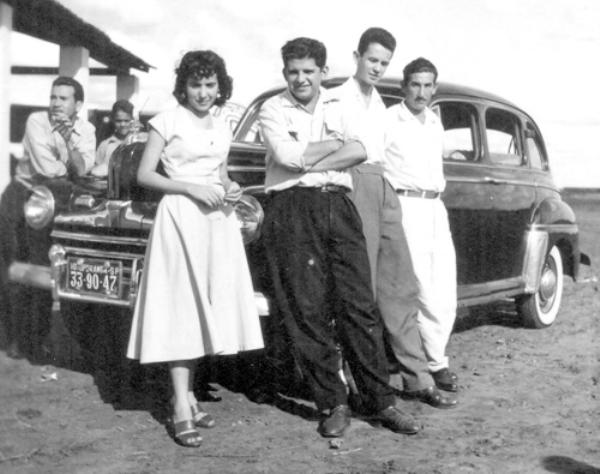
(290, 101)
(406, 114)
(353, 86)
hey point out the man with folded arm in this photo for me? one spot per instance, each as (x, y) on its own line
(363, 115)
(315, 248)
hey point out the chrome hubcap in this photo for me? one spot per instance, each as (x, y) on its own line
(547, 285)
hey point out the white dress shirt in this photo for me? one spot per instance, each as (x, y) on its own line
(45, 151)
(287, 128)
(413, 150)
(361, 119)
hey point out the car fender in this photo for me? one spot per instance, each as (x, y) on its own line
(553, 223)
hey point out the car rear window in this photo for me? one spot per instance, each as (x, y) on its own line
(503, 134)
(460, 130)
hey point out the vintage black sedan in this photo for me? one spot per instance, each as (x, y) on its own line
(514, 235)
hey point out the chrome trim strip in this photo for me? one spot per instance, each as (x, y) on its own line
(485, 290)
(93, 299)
(555, 228)
(536, 246)
(254, 169)
(85, 252)
(61, 234)
(489, 181)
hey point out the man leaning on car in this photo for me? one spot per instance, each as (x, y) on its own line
(413, 165)
(57, 143)
(315, 249)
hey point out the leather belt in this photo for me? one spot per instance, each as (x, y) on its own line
(421, 194)
(334, 188)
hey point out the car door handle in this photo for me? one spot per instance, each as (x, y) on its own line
(489, 180)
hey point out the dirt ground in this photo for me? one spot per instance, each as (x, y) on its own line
(528, 403)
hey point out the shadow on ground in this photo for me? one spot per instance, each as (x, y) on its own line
(502, 313)
(566, 465)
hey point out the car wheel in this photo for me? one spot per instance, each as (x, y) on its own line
(539, 310)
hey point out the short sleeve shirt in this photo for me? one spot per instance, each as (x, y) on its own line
(192, 153)
(413, 153)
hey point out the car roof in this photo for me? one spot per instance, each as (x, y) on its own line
(391, 86)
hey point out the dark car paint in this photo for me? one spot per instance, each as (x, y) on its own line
(491, 207)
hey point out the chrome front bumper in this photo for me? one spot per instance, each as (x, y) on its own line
(46, 278)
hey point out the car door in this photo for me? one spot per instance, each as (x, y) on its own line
(489, 194)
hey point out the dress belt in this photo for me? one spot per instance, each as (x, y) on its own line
(334, 188)
(421, 194)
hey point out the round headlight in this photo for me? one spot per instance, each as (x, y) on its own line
(250, 214)
(39, 208)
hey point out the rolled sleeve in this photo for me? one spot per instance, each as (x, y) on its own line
(39, 149)
(282, 141)
(84, 142)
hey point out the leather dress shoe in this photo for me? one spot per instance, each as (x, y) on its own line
(432, 396)
(335, 424)
(445, 380)
(397, 421)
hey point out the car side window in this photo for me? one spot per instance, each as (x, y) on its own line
(534, 148)
(460, 130)
(503, 135)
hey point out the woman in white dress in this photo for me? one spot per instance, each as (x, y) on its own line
(196, 296)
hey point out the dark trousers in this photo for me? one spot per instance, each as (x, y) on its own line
(394, 283)
(24, 312)
(321, 284)
(12, 247)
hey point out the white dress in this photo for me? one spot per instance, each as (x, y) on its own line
(196, 295)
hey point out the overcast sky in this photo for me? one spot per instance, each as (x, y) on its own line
(540, 54)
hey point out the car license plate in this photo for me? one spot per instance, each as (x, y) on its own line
(95, 276)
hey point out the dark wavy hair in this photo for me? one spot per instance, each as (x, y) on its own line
(69, 81)
(202, 64)
(418, 65)
(376, 35)
(300, 48)
(122, 105)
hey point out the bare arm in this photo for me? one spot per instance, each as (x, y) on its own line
(147, 176)
(350, 154)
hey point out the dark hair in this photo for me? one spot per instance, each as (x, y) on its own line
(419, 65)
(300, 48)
(202, 64)
(69, 81)
(123, 106)
(376, 35)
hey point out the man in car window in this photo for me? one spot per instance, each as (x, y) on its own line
(315, 248)
(414, 167)
(363, 115)
(57, 143)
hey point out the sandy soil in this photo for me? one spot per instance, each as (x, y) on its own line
(529, 402)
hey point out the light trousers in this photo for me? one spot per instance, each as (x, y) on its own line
(427, 231)
(394, 285)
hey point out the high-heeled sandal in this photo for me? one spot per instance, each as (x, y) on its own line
(186, 434)
(201, 418)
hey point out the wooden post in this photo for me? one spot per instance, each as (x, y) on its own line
(74, 62)
(6, 21)
(128, 86)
